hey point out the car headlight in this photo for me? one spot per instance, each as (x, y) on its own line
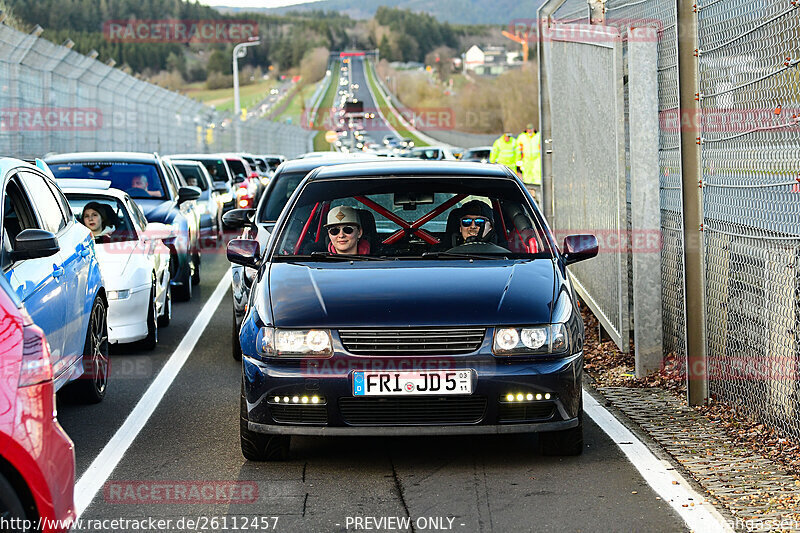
(118, 295)
(264, 181)
(275, 342)
(225, 197)
(552, 339)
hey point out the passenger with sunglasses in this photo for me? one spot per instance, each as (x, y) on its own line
(344, 231)
(475, 223)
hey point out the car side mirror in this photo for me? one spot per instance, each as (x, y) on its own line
(239, 218)
(188, 193)
(579, 248)
(245, 252)
(33, 244)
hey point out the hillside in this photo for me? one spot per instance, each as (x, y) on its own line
(452, 11)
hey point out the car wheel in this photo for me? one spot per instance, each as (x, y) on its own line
(91, 387)
(566, 442)
(183, 292)
(196, 273)
(11, 509)
(258, 446)
(236, 348)
(149, 342)
(166, 316)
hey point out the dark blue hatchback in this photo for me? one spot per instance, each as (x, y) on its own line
(411, 298)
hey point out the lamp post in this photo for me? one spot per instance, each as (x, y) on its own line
(239, 51)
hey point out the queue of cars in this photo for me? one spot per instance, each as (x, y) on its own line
(451, 312)
(94, 247)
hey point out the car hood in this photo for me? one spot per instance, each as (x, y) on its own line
(157, 210)
(113, 259)
(431, 293)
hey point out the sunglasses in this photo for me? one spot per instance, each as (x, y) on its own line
(467, 222)
(348, 230)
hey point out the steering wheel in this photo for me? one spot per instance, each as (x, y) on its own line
(472, 245)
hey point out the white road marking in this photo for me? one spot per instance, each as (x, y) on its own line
(109, 457)
(659, 474)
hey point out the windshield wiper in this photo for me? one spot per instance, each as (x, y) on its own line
(456, 255)
(346, 257)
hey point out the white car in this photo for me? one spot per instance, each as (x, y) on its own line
(134, 258)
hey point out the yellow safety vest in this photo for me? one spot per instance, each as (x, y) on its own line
(504, 153)
(529, 151)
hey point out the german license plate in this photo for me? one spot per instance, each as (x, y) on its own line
(412, 383)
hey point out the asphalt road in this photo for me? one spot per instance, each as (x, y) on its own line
(191, 445)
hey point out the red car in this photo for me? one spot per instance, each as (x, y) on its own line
(245, 181)
(37, 458)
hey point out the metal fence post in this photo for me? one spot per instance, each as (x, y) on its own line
(688, 44)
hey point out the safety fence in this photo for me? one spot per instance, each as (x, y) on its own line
(53, 99)
(748, 131)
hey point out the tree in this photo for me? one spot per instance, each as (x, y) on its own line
(220, 62)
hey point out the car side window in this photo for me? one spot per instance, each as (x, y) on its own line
(170, 178)
(18, 215)
(45, 202)
(62, 200)
(137, 213)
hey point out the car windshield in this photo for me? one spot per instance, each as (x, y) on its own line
(193, 176)
(118, 225)
(237, 167)
(139, 180)
(279, 193)
(216, 169)
(419, 217)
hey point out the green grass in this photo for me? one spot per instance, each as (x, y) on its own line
(386, 110)
(296, 108)
(320, 144)
(222, 99)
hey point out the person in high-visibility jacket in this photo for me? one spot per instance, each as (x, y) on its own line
(504, 151)
(529, 153)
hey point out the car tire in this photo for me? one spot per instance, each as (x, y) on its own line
(10, 506)
(258, 446)
(150, 342)
(236, 348)
(91, 387)
(183, 292)
(566, 442)
(196, 273)
(166, 316)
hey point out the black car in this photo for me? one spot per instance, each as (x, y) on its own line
(154, 187)
(258, 223)
(220, 174)
(454, 315)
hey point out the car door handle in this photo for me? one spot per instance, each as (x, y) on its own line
(58, 271)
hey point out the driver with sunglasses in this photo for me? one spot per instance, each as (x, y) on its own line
(475, 223)
(344, 231)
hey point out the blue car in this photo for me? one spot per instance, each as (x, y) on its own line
(49, 261)
(411, 298)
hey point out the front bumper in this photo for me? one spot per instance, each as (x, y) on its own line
(485, 411)
(127, 319)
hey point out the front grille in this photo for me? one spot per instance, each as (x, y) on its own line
(434, 341)
(521, 412)
(412, 411)
(299, 414)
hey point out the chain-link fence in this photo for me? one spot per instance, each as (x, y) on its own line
(53, 99)
(748, 129)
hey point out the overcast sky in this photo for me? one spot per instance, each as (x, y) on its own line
(253, 3)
